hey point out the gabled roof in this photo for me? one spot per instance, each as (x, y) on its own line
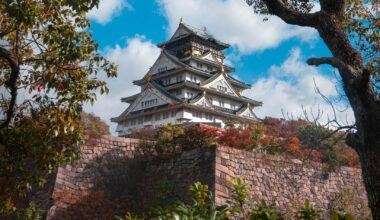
(220, 77)
(130, 99)
(201, 98)
(185, 30)
(244, 109)
(164, 54)
(238, 82)
(151, 84)
(196, 86)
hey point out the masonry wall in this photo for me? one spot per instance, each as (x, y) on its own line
(115, 175)
(287, 182)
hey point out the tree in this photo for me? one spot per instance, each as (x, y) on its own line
(94, 126)
(350, 29)
(48, 69)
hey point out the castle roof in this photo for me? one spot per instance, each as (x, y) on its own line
(185, 30)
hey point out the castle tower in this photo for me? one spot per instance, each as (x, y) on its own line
(188, 83)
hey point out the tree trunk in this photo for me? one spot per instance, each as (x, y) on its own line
(364, 103)
(370, 162)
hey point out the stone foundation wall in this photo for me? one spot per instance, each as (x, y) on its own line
(286, 182)
(115, 174)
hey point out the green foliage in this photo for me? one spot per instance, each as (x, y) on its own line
(47, 51)
(30, 213)
(265, 212)
(308, 211)
(238, 197)
(347, 204)
(335, 215)
(94, 126)
(169, 138)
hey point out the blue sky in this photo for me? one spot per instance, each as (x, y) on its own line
(269, 55)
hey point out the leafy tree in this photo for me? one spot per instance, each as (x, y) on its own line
(94, 126)
(350, 29)
(46, 53)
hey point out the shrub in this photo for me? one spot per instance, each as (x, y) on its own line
(265, 212)
(169, 138)
(236, 138)
(30, 213)
(238, 197)
(200, 136)
(308, 211)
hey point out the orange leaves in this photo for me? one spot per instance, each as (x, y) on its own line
(233, 137)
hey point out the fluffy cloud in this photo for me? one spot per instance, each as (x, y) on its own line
(133, 60)
(233, 21)
(108, 9)
(290, 86)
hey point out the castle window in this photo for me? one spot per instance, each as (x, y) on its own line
(221, 103)
(140, 120)
(197, 114)
(179, 78)
(193, 78)
(166, 115)
(233, 107)
(149, 103)
(208, 116)
(222, 88)
(173, 113)
(158, 117)
(166, 82)
(199, 65)
(162, 69)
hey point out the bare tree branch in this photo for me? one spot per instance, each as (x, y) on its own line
(290, 16)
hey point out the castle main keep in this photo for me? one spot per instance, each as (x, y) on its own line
(188, 83)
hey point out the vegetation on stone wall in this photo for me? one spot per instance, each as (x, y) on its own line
(297, 139)
(239, 205)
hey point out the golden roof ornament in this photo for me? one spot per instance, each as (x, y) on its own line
(222, 67)
(149, 77)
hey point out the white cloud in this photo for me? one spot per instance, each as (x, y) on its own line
(234, 22)
(290, 86)
(134, 61)
(108, 9)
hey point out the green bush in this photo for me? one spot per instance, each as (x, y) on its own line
(265, 212)
(308, 211)
(30, 213)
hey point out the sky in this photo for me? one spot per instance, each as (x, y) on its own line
(269, 55)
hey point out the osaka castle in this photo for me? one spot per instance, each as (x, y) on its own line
(187, 84)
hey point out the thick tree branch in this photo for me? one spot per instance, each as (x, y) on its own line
(11, 83)
(290, 16)
(333, 61)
